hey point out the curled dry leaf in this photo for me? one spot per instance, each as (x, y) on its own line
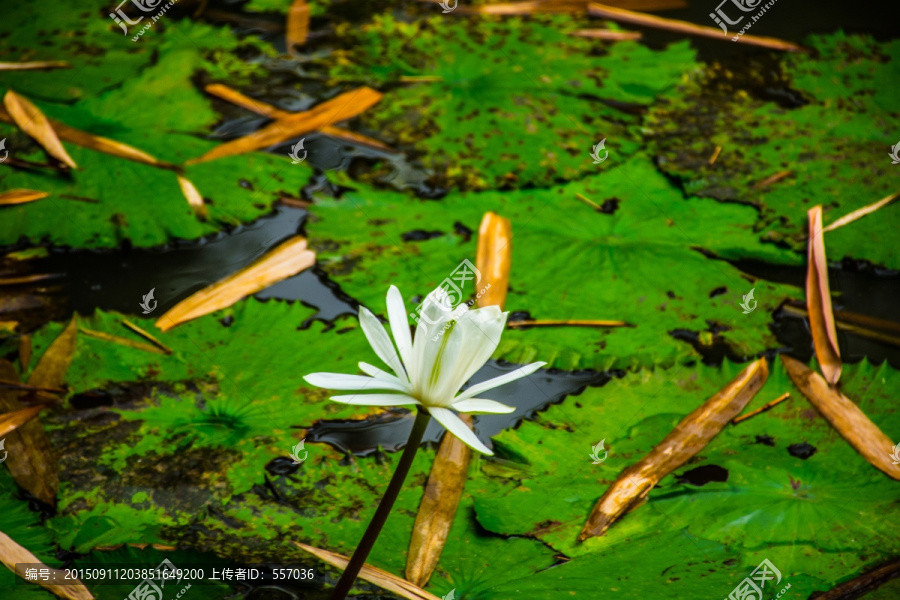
(284, 261)
(382, 579)
(342, 107)
(564, 6)
(32, 121)
(12, 553)
(33, 65)
(297, 24)
(568, 323)
(845, 416)
(493, 259)
(20, 197)
(31, 461)
(11, 421)
(688, 438)
(193, 197)
(818, 301)
(146, 334)
(637, 18)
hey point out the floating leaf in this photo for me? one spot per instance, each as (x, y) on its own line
(34, 65)
(340, 108)
(688, 438)
(818, 301)
(288, 259)
(11, 421)
(845, 416)
(382, 579)
(636, 18)
(193, 196)
(12, 554)
(21, 196)
(32, 121)
(51, 369)
(297, 24)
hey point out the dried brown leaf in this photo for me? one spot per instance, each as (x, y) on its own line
(122, 341)
(24, 351)
(343, 107)
(50, 371)
(845, 416)
(564, 6)
(818, 301)
(233, 96)
(688, 438)
(297, 24)
(32, 121)
(12, 553)
(493, 259)
(382, 579)
(637, 18)
(286, 260)
(437, 510)
(11, 421)
(861, 212)
(607, 34)
(146, 334)
(31, 461)
(33, 65)
(568, 323)
(21, 197)
(193, 196)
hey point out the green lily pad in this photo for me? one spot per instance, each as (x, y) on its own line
(516, 102)
(641, 264)
(836, 145)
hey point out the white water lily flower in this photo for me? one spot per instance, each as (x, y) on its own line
(449, 347)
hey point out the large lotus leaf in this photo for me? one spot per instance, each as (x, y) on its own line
(814, 512)
(836, 144)
(640, 264)
(101, 56)
(517, 102)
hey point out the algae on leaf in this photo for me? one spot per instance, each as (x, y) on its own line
(505, 103)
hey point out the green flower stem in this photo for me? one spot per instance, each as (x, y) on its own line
(345, 583)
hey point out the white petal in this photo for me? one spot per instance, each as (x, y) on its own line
(490, 384)
(341, 381)
(481, 405)
(376, 399)
(377, 373)
(454, 425)
(473, 340)
(396, 310)
(436, 314)
(380, 342)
